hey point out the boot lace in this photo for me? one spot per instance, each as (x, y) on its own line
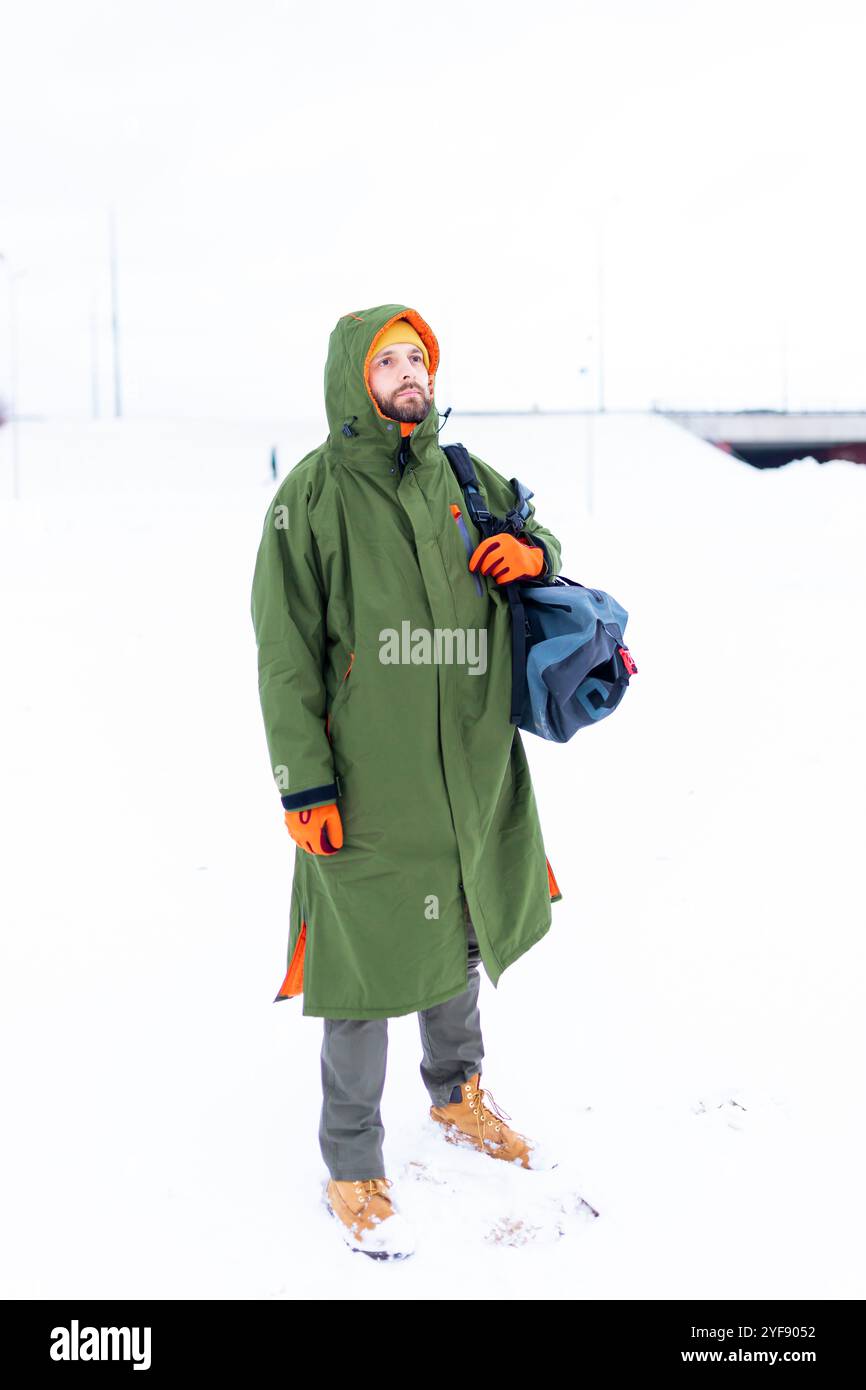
(477, 1099)
(368, 1188)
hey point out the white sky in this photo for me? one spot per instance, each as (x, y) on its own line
(276, 165)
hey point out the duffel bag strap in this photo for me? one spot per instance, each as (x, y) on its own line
(488, 525)
(518, 652)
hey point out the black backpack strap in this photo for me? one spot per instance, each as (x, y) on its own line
(518, 652)
(488, 525)
(520, 513)
(464, 471)
(459, 458)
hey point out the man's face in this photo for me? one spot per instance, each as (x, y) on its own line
(400, 382)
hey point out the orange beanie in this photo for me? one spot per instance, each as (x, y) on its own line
(401, 331)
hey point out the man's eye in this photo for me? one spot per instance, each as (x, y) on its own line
(416, 355)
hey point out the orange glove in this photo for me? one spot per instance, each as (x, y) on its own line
(507, 558)
(317, 830)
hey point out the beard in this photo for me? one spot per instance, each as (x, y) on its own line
(412, 409)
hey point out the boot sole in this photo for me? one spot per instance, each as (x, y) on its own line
(352, 1241)
(453, 1134)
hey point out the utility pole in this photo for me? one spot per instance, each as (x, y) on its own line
(94, 356)
(12, 276)
(600, 311)
(603, 210)
(118, 407)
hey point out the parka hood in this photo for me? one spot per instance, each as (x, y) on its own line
(356, 424)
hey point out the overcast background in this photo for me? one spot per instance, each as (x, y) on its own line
(275, 165)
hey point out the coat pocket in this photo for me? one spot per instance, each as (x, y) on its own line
(339, 696)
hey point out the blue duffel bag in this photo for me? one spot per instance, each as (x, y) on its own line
(577, 666)
(570, 666)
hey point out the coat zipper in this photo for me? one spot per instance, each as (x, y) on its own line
(402, 455)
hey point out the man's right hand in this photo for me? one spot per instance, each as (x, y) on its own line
(318, 830)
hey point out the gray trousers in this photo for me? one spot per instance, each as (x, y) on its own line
(354, 1055)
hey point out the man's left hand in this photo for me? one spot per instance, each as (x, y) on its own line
(506, 558)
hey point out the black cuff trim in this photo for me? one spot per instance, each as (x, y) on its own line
(301, 800)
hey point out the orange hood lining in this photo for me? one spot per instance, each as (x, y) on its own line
(427, 336)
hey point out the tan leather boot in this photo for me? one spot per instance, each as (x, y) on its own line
(476, 1121)
(369, 1221)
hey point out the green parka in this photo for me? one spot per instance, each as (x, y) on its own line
(361, 561)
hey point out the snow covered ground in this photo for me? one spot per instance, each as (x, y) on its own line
(689, 1035)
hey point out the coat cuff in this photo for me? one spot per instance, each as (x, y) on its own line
(313, 796)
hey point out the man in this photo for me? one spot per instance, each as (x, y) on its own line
(384, 647)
